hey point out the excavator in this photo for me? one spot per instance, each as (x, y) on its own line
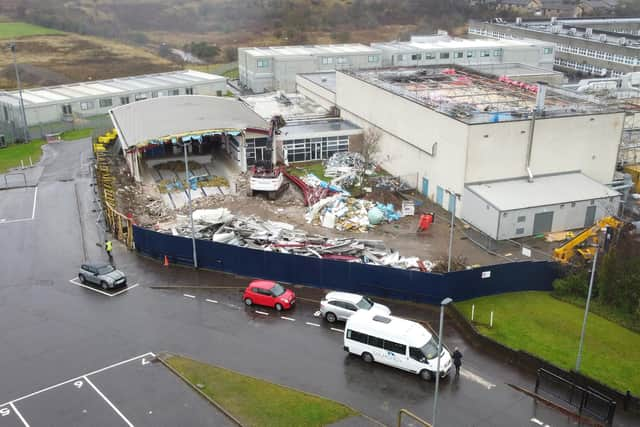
(586, 242)
(265, 176)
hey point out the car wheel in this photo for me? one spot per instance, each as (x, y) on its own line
(82, 279)
(367, 357)
(278, 306)
(248, 302)
(426, 375)
(104, 285)
(330, 317)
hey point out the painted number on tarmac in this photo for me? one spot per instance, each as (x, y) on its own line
(5, 411)
(78, 384)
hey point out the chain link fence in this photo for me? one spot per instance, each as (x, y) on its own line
(100, 124)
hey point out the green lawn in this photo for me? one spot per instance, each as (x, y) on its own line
(232, 74)
(259, 403)
(549, 328)
(10, 157)
(10, 30)
(316, 168)
(72, 135)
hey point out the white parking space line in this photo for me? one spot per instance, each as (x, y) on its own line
(337, 330)
(35, 201)
(211, 301)
(33, 211)
(465, 373)
(540, 423)
(106, 368)
(127, 289)
(316, 314)
(262, 312)
(291, 319)
(117, 411)
(26, 424)
(311, 324)
(188, 296)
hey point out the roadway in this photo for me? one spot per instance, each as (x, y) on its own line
(55, 330)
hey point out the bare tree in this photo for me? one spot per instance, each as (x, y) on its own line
(370, 147)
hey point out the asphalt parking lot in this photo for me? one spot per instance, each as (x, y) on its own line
(137, 391)
(18, 204)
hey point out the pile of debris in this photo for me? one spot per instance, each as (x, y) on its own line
(349, 214)
(390, 183)
(219, 225)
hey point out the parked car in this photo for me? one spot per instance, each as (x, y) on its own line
(102, 274)
(396, 342)
(341, 305)
(270, 294)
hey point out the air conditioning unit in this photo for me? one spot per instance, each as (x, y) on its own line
(518, 21)
(622, 41)
(603, 38)
(555, 29)
(572, 31)
(588, 33)
(554, 19)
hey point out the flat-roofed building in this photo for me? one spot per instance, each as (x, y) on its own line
(264, 69)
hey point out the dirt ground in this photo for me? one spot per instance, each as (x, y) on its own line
(59, 59)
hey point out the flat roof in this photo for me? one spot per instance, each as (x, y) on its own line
(171, 116)
(514, 69)
(310, 50)
(458, 43)
(306, 129)
(327, 80)
(108, 88)
(471, 97)
(288, 105)
(545, 190)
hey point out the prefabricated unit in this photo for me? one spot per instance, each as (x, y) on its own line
(513, 208)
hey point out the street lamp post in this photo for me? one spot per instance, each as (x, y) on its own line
(453, 215)
(586, 309)
(193, 232)
(25, 129)
(443, 303)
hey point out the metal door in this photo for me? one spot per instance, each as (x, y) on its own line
(425, 187)
(590, 216)
(316, 151)
(439, 195)
(542, 222)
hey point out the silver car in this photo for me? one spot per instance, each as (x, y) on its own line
(341, 305)
(103, 275)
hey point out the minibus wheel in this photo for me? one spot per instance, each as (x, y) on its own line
(368, 358)
(426, 375)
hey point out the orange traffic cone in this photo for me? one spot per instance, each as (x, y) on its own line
(166, 261)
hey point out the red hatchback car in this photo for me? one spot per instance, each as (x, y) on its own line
(270, 294)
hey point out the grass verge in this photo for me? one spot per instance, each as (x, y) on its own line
(11, 156)
(542, 325)
(302, 169)
(72, 135)
(256, 402)
(10, 30)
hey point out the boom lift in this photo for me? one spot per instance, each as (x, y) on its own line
(585, 242)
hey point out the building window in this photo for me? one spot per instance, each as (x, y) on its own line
(88, 105)
(458, 54)
(470, 54)
(373, 58)
(485, 53)
(400, 58)
(174, 92)
(520, 230)
(328, 60)
(416, 57)
(263, 63)
(341, 60)
(140, 96)
(154, 94)
(547, 50)
(66, 109)
(444, 55)
(522, 218)
(497, 52)
(124, 100)
(106, 102)
(218, 93)
(429, 56)
(188, 91)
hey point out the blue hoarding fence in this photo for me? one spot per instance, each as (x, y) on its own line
(367, 279)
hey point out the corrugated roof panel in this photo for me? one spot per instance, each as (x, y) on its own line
(50, 95)
(86, 90)
(28, 96)
(105, 88)
(68, 92)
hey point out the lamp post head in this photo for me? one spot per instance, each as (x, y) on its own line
(446, 301)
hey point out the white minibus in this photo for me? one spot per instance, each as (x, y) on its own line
(396, 342)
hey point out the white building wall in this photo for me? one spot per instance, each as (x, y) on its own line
(480, 214)
(316, 93)
(415, 139)
(580, 143)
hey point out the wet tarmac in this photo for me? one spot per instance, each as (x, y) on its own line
(54, 330)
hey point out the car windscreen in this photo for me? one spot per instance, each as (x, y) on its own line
(430, 349)
(365, 303)
(277, 290)
(106, 269)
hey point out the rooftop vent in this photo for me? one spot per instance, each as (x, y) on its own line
(588, 33)
(555, 29)
(622, 41)
(554, 19)
(518, 21)
(381, 319)
(603, 38)
(572, 31)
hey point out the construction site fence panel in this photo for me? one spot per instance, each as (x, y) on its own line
(367, 279)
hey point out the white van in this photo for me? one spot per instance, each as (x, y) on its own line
(395, 342)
